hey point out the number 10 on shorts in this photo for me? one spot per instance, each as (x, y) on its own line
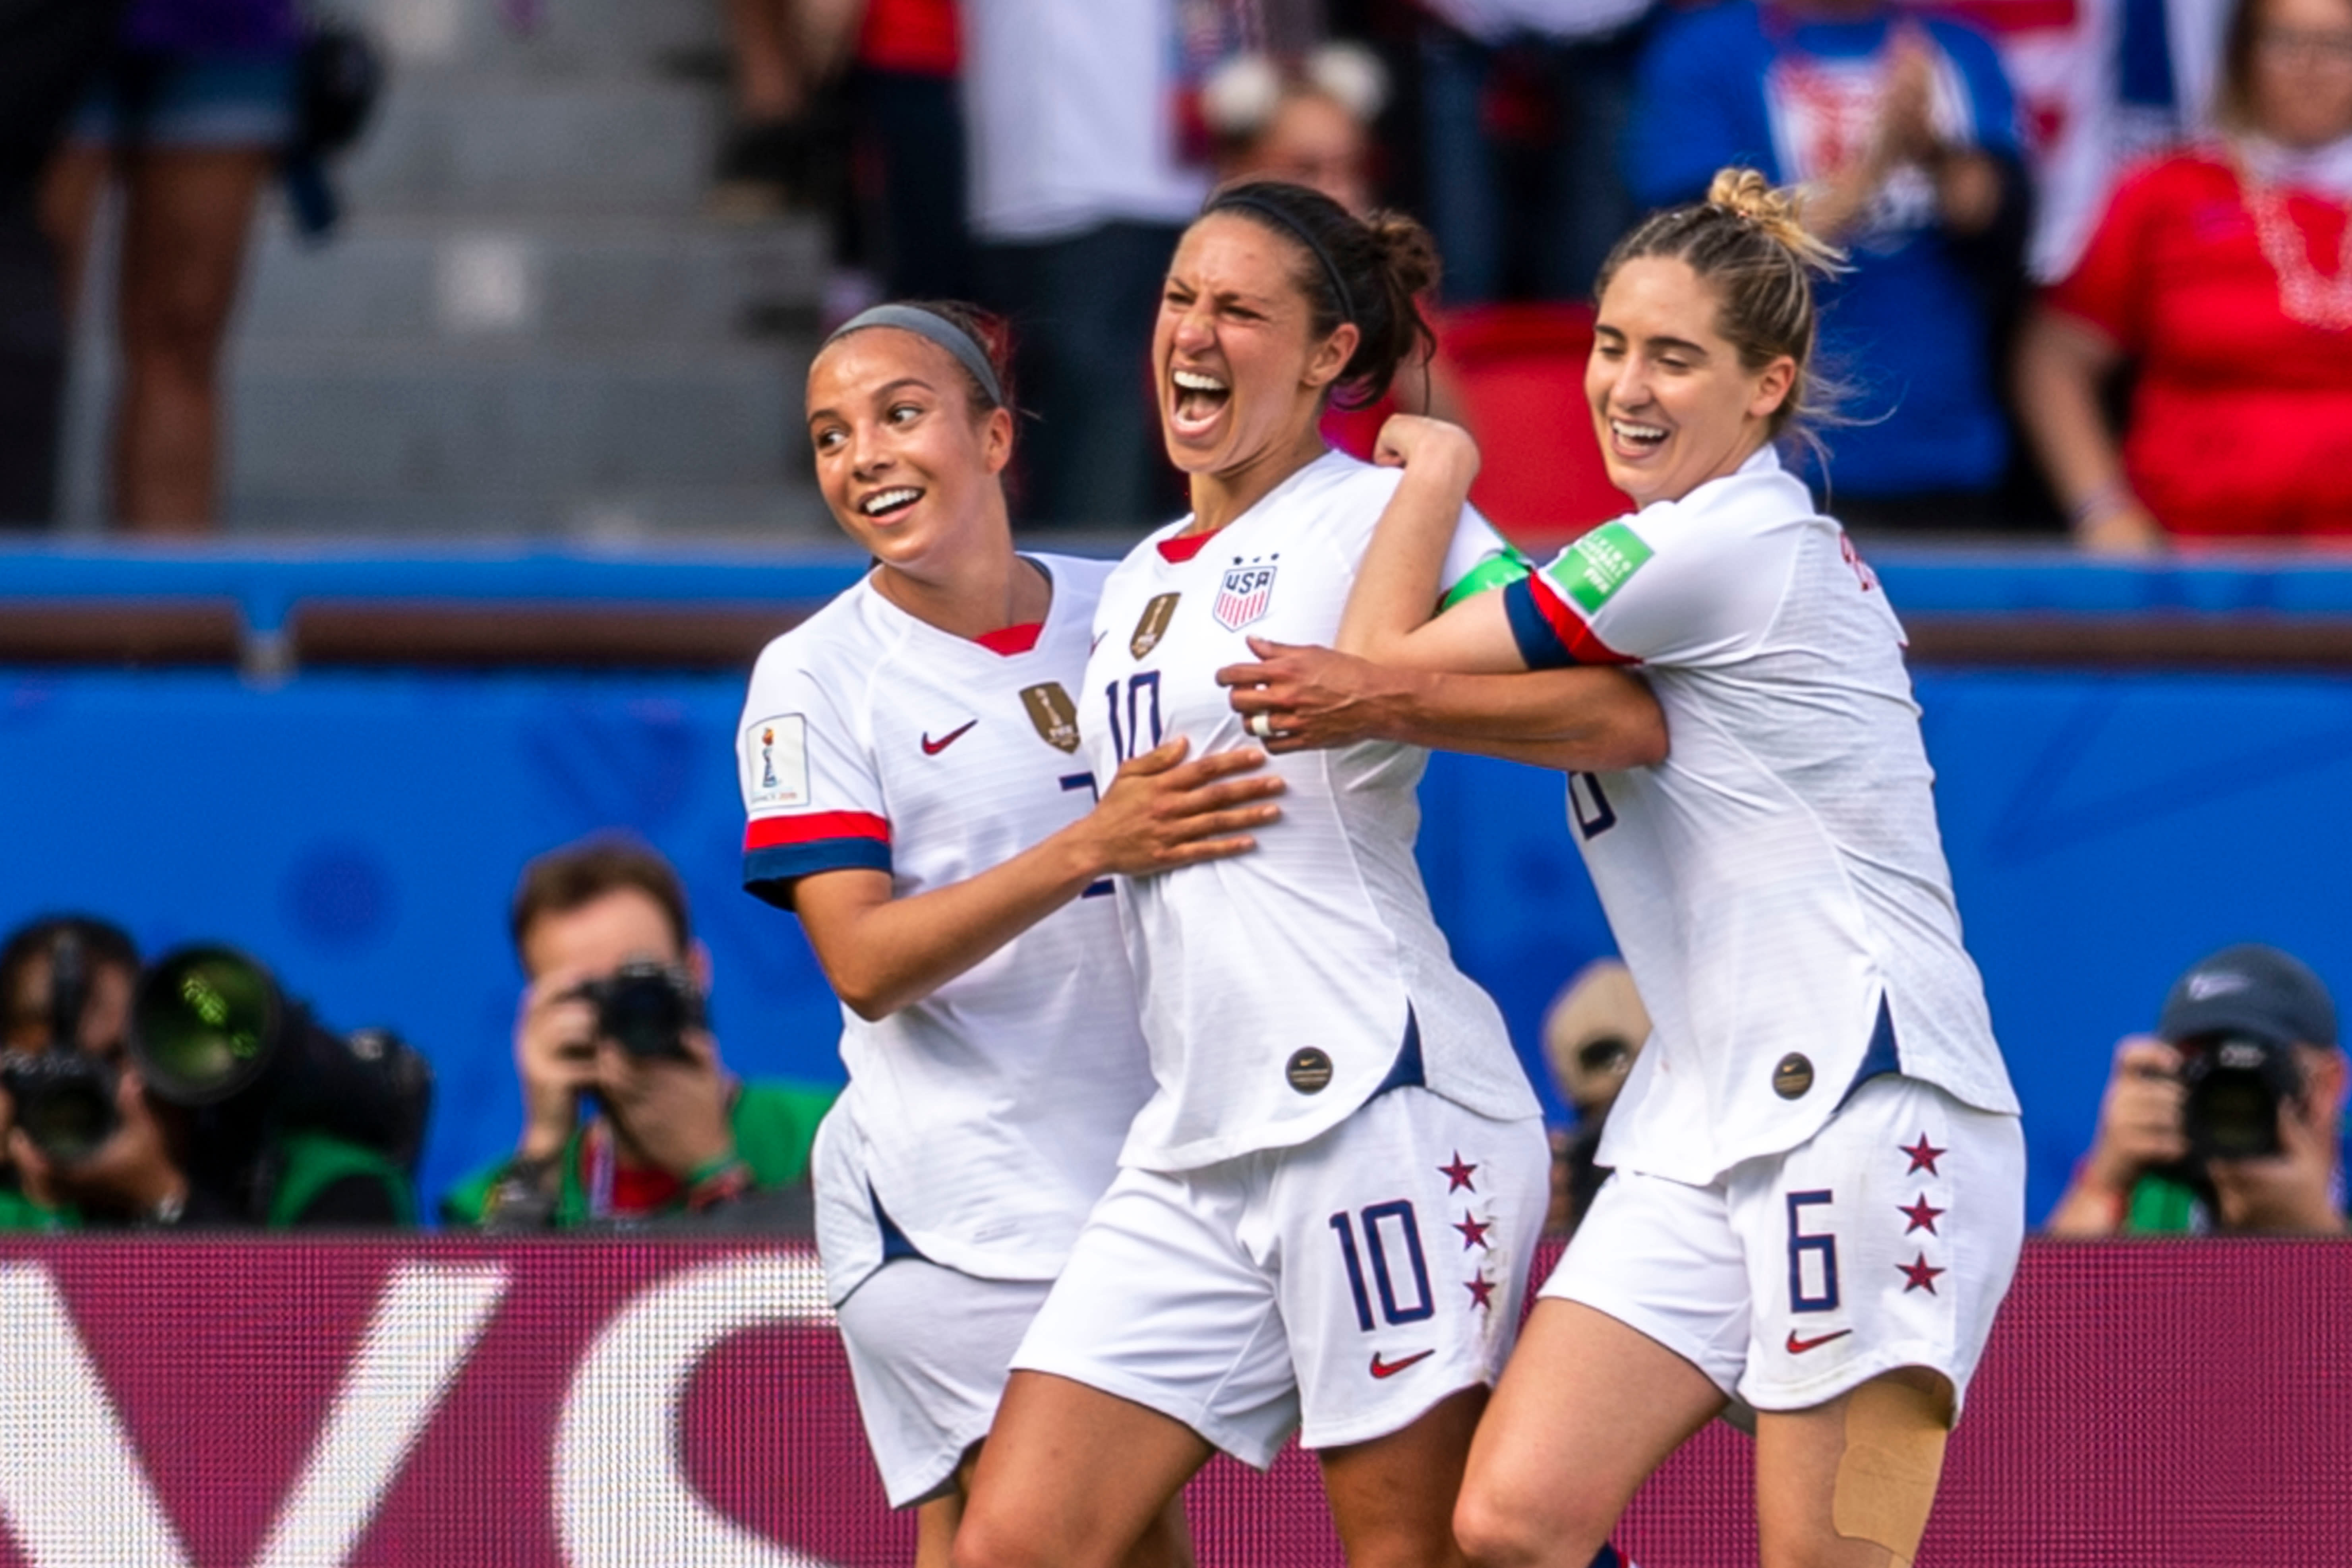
(1385, 1226)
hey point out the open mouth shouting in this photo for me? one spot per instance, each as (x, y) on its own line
(1197, 399)
(888, 506)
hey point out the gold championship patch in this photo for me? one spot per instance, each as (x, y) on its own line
(1153, 624)
(1053, 714)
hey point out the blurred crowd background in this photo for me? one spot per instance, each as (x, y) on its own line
(432, 267)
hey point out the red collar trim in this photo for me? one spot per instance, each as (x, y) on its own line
(1182, 547)
(1009, 641)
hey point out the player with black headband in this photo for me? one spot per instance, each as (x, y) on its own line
(1325, 1215)
(910, 767)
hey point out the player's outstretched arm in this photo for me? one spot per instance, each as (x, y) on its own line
(883, 952)
(1582, 720)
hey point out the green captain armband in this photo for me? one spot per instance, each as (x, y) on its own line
(1495, 572)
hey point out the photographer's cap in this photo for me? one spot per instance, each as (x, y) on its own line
(2250, 990)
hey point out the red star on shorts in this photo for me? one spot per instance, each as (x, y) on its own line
(1457, 1175)
(1474, 1231)
(1923, 1156)
(1922, 1216)
(1482, 1292)
(1920, 1275)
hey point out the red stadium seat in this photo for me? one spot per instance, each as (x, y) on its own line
(1520, 373)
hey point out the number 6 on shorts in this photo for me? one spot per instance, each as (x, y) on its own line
(1825, 1246)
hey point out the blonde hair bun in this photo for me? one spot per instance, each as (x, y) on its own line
(1776, 213)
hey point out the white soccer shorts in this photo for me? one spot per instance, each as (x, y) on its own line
(929, 1350)
(1886, 1240)
(1342, 1288)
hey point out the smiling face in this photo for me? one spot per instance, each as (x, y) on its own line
(1673, 407)
(1240, 373)
(909, 467)
(2299, 71)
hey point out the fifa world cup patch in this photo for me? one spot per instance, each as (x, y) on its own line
(1593, 568)
(1053, 714)
(1152, 624)
(1244, 593)
(776, 763)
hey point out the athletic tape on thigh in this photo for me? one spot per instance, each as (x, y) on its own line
(1895, 1437)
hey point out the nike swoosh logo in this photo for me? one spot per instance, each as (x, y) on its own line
(1799, 1347)
(933, 748)
(1391, 1368)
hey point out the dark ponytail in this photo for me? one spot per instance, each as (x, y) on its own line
(1369, 271)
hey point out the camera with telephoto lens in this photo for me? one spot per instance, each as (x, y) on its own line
(211, 1032)
(64, 1097)
(645, 1008)
(2236, 1086)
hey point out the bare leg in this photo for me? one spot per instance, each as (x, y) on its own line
(183, 257)
(1078, 1478)
(71, 193)
(1848, 1484)
(1587, 1408)
(1392, 1498)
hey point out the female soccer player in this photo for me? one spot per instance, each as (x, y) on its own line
(1324, 1215)
(910, 766)
(1819, 1176)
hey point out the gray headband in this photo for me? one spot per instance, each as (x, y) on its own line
(936, 328)
(1244, 197)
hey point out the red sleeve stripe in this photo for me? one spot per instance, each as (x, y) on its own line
(777, 832)
(1571, 628)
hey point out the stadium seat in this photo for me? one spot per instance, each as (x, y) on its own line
(1520, 373)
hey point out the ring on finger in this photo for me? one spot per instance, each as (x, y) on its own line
(1261, 725)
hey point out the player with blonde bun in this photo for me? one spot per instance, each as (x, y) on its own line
(909, 769)
(1819, 1187)
(1324, 1217)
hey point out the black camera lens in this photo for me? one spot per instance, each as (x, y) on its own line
(63, 1100)
(204, 1024)
(2235, 1087)
(647, 1008)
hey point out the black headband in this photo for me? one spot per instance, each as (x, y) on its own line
(936, 328)
(1258, 203)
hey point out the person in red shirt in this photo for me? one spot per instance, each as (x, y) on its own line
(2224, 273)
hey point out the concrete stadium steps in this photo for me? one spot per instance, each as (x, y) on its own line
(565, 280)
(527, 322)
(562, 38)
(466, 143)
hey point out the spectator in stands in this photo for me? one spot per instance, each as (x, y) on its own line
(1596, 1026)
(1524, 113)
(49, 48)
(1905, 129)
(788, 145)
(188, 119)
(1077, 201)
(1309, 121)
(910, 129)
(2222, 275)
(677, 1134)
(71, 978)
(2245, 1015)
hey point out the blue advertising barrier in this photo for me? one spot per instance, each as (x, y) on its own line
(361, 832)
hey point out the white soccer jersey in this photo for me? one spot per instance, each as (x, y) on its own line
(1277, 986)
(986, 1119)
(1779, 879)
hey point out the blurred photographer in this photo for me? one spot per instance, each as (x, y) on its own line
(92, 1142)
(1595, 1028)
(2229, 1119)
(614, 1014)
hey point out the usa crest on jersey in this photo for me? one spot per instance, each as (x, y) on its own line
(1243, 596)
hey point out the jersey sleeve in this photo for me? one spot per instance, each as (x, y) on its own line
(1479, 561)
(1632, 592)
(2107, 288)
(812, 798)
